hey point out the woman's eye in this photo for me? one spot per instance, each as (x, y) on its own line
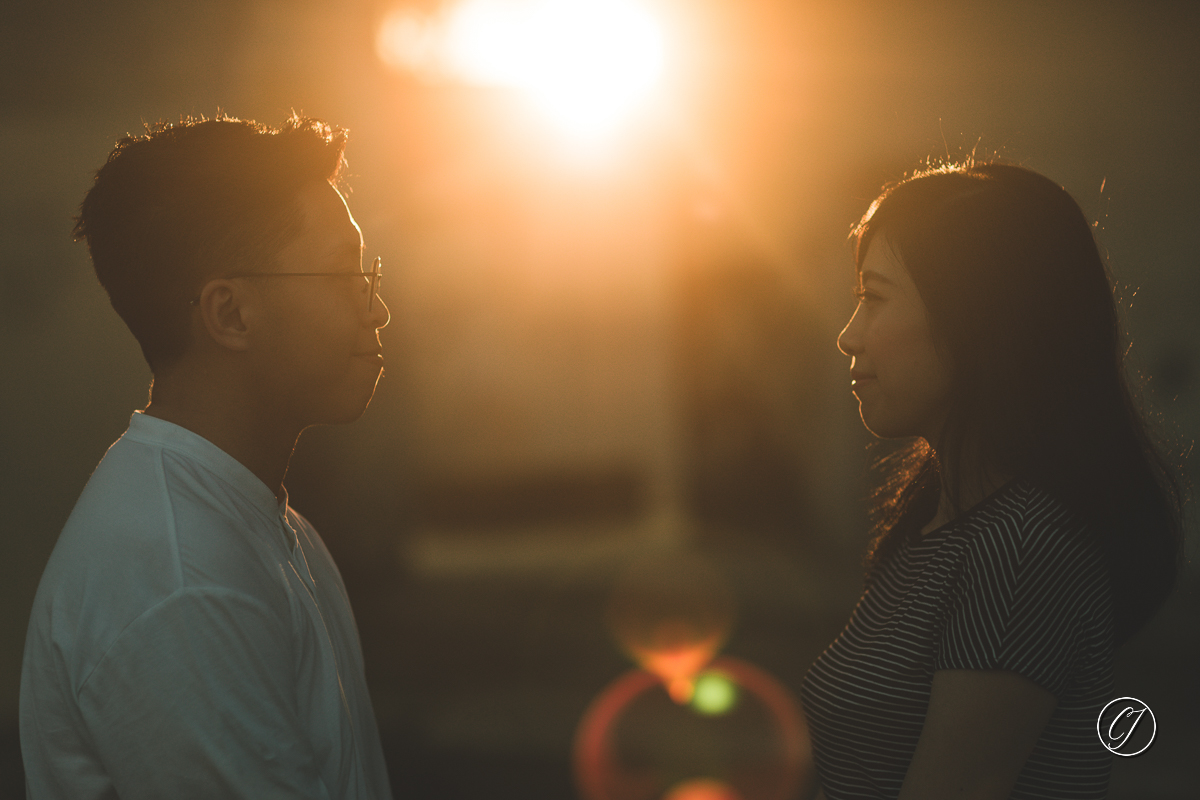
(865, 296)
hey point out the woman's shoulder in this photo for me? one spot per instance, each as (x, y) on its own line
(1023, 503)
(1025, 520)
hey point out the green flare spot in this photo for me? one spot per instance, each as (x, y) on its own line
(715, 693)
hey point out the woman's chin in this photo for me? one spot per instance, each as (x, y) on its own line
(885, 430)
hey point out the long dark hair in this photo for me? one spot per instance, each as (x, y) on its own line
(1020, 300)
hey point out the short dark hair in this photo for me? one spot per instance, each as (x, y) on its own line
(1020, 303)
(191, 200)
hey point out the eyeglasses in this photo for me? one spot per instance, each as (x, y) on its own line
(374, 278)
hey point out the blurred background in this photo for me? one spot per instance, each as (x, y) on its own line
(615, 244)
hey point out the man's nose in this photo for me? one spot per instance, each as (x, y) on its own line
(380, 316)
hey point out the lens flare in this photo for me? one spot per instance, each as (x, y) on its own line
(715, 693)
(585, 64)
(635, 743)
(411, 42)
(671, 612)
(702, 789)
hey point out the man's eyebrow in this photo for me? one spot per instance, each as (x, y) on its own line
(872, 275)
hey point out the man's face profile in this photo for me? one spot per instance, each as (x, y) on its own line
(196, 604)
(318, 351)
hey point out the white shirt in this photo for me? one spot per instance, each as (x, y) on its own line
(191, 638)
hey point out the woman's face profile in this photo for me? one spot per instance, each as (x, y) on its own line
(901, 384)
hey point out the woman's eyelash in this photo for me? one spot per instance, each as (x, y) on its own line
(863, 294)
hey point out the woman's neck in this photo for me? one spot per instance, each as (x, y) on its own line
(973, 486)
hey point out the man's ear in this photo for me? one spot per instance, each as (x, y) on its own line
(228, 313)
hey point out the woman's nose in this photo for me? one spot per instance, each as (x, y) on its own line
(848, 340)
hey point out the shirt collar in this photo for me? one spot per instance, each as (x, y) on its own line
(152, 430)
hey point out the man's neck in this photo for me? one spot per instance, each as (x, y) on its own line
(257, 441)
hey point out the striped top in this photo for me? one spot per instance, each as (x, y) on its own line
(1014, 583)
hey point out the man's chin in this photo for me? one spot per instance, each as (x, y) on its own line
(344, 413)
(354, 413)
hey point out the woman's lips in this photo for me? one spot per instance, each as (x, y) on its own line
(857, 381)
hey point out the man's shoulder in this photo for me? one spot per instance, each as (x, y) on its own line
(150, 507)
(147, 525)
(116, 526)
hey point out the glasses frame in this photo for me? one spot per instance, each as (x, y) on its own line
(376, 276)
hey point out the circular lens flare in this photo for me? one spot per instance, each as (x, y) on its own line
(671, 611)
(635, 743)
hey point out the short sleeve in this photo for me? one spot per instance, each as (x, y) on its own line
(196, 699)
(1029, 585)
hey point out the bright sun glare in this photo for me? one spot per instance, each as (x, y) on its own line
(585, 64)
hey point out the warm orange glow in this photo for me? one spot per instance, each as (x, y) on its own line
(628, 742)
(702, 789)
(676, 653)
(672, 612)
(585, 64)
